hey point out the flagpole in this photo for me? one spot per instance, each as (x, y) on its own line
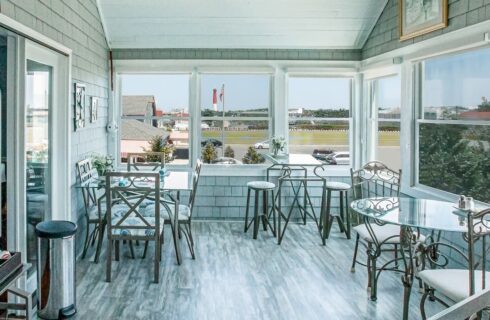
(223, 122)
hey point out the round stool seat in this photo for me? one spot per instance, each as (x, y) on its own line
(338, 186)
(261, 185)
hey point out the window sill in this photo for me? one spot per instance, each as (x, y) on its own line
(240, 170)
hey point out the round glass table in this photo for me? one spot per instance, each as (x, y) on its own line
(415, 213)
(412, 215)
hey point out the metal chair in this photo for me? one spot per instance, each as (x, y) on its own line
(184, 216)
(458, 284)
(152, 161)
(265, 187)
(375, 179)
(92, 200)
(131, 224)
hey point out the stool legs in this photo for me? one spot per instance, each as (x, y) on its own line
(264, 214)
(256, 215)
(342, 217)
(246, 211)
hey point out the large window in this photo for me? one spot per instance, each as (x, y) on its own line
(454, 124)
(155, 115)
(385, 120)
(319, 117)
(234, 118)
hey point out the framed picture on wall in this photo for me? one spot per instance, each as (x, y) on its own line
(418, 17)
(79, 112)
(93, 109)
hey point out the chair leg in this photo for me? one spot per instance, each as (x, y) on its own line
(99, 243)
(246, 211)
(274, 214)
(108, 260)
(131, 249)
(117, 244)
(422, 304)
(145, 249)
(256, 215)
(374, 279)
(326, 223)
(157, 258)
(396, 256)
(87, 240)
(354, 259)
(368, 264)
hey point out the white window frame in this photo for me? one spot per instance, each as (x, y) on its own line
(370, 112)
(354, 108)
(278, 71)
(117, 114)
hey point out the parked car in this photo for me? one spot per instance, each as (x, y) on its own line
(340, 158)
(226, 160)
(321, 154)
(262, 145)
(215, 142)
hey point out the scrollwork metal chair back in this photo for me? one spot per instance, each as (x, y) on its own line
(375, 179)
(152, 161)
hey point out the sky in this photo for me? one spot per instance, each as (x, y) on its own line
(457, 80)
(453, 80)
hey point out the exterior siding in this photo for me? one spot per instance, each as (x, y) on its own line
(236, 54)
(384, 37)
(75, 24)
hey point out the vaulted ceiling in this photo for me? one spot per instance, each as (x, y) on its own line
(254, 24)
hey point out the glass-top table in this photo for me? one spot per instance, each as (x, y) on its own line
(412, 212)
(173, 181)
(302, 160)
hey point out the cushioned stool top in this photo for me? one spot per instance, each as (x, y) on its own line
(262, 185)
(333, 185)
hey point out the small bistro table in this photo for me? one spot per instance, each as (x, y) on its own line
(411, 214)
(175, 181)
(286, 165)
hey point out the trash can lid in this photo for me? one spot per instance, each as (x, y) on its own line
(55, 229)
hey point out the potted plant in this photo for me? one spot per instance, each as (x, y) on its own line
(278, 144)
(102, 163)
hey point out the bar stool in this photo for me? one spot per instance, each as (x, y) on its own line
(343, 214)
(265, 187)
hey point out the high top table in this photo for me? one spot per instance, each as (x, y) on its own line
(287, 164)
(411, 214)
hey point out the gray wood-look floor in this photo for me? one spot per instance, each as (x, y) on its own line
(235, 277)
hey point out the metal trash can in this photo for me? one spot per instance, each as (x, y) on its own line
(56, 300)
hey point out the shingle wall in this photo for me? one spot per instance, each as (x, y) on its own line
(385, 37)
(75, 24)
(237, 54)
(225, 198)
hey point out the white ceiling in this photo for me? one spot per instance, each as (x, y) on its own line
(254, 24)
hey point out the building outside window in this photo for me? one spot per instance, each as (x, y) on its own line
(155, 115)
(319, 111)
(454, 124)
(235, 118)
(385, 120)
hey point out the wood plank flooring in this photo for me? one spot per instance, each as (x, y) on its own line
(236, 277)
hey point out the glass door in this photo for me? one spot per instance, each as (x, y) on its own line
(38, 100)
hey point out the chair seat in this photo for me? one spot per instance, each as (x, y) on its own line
(337, 186)
(184, 211)
(453, 283)
(261, 185)
(132, 222)
(388, 233)
(382, 233)
(117, 210)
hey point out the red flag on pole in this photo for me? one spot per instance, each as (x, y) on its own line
(215, 100)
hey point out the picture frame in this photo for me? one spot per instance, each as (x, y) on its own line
(94, 101)
(79, 106)
(418, 17)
